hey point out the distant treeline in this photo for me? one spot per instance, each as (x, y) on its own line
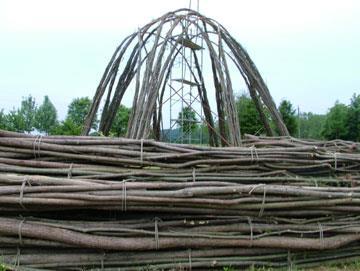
(43, 118)
(341, 121)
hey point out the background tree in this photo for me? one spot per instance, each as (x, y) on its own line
(78, 110)
(353, 119)
(120, 124)
(249, 119)
(22, 120)
(3, 120)
(66, 127)
(15, 122)
(288, 114)
(46, 116)
(72, 125)
(201, 134)
(310, 125)
(340, 122)
(187, 120)
(335, 124)
(25, 116)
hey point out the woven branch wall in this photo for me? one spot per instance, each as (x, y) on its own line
(145, 60)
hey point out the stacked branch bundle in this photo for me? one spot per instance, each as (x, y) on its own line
(98, 203)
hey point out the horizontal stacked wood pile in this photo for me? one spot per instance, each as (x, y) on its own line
(106, 158)
(68, 203)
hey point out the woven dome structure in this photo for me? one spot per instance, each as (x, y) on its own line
(144, 65)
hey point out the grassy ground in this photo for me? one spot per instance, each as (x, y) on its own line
(326, 268)
(352, 266)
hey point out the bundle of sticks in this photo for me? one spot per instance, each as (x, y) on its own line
(75, 203)
(114, 158)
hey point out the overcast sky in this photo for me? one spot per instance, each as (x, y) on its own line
(307, 51)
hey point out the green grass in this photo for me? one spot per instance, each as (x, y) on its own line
(3, 267)
(350, 266)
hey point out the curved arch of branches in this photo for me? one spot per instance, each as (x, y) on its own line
(146, 59)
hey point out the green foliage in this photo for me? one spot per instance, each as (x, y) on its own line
(15, 121)
(249, 119)
(341, 121)
(288, 114)
(78, 110)
(187, 120)
(22, 119)
(66, 127)
(228, 268)
(27, 113)
(73, 123)
(353, 119)
(46, 116)
(263, 268)
(200, 135)
(335, 126)
(310, 125)
(3, 120)
(120, 124)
